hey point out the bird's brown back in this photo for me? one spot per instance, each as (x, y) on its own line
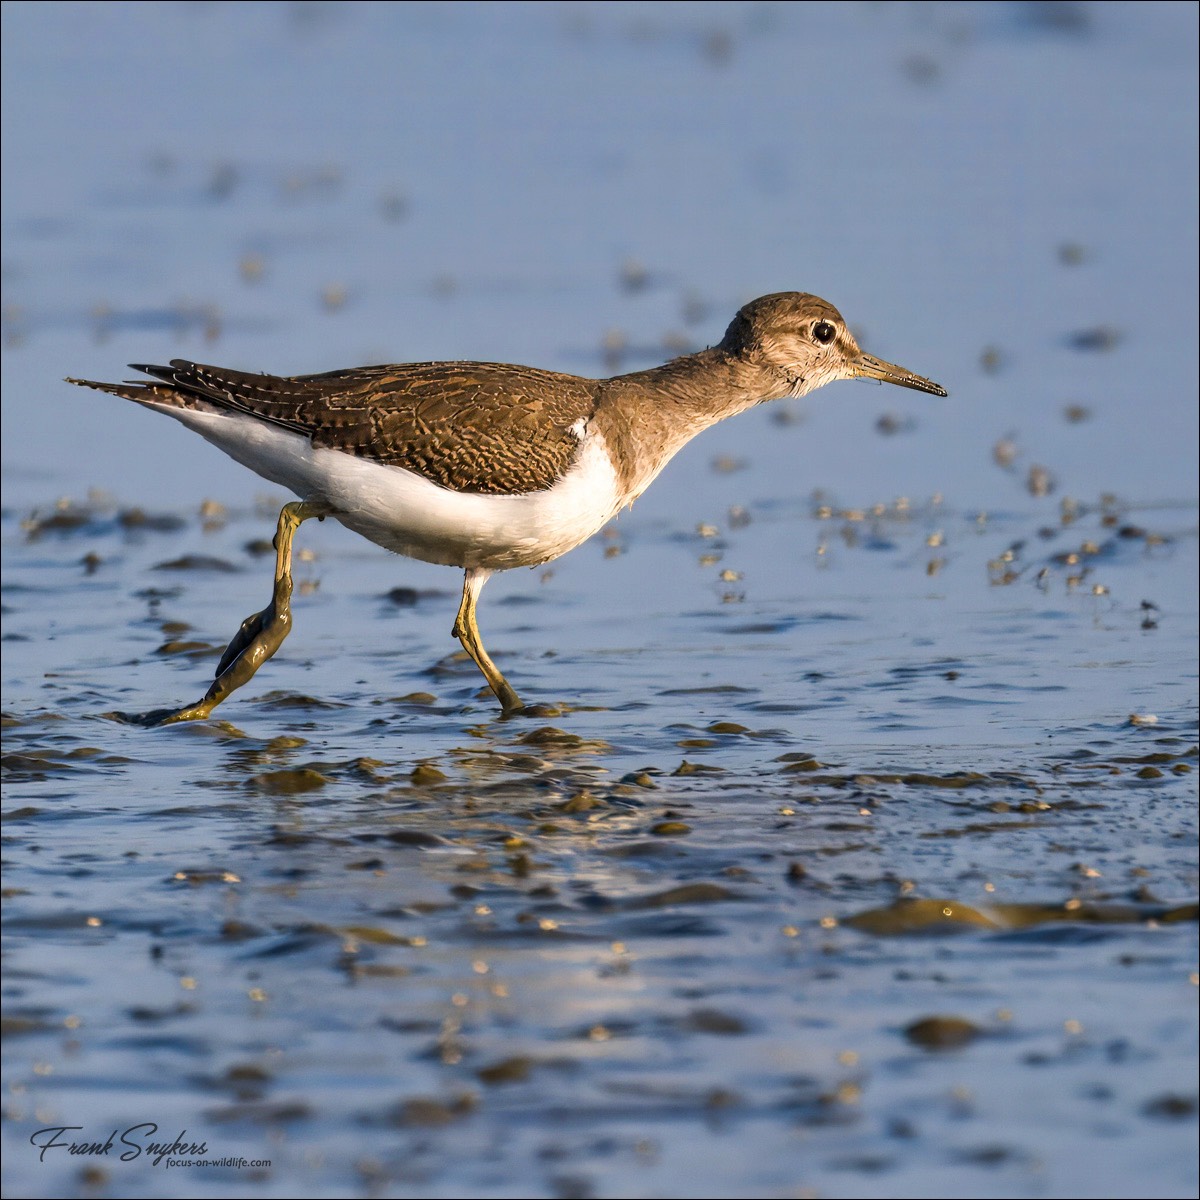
(489, 428)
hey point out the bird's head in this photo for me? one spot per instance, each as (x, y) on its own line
(802, 342)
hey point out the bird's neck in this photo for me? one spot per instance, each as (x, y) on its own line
(648, 416)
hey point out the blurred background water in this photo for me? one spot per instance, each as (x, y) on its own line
(861, 860)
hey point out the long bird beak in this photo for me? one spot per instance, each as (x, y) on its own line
(869, 367)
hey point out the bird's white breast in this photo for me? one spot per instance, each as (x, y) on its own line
(405, 512)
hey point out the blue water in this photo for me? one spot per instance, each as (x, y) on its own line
(875, 708)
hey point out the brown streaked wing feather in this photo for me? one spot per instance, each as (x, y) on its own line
(269, 397)
(475, 427)
(472, 427)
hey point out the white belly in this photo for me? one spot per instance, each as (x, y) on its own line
(406, 513)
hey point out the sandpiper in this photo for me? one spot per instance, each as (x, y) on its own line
(483, 466)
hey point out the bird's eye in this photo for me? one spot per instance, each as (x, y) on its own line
(824, 333)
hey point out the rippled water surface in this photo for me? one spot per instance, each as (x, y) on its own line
(853, 850)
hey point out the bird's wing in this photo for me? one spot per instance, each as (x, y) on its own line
(472, 427)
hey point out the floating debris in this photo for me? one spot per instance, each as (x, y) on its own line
(334, 296)
(1099, 340)
(252, 267)
(633, 275)
(196, 562)
(1039, 481)
(1004, 452)
(394, 206)
(992, 360)
(613, 346)
(942, 1033)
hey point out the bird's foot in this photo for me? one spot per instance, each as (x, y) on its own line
(258, 637)
(162, 716)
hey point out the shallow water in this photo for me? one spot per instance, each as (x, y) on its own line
(855, 853)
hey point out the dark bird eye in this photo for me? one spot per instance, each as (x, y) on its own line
(824, 332)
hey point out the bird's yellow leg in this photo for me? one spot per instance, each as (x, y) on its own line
(466, 629)
(262, 633)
